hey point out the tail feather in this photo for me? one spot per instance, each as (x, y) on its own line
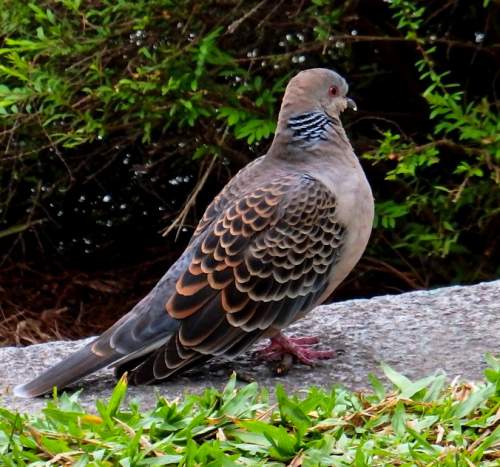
(140, 332)
(76, 366)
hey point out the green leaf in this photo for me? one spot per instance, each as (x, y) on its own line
(399, 420)
(377, 386)
(168, 459)
(15, 229)
(493, 372)
(291, 412)
(475, 399)
(399, 380)
(408, 388)
(117, 397)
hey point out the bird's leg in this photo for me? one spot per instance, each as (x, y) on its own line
(299, 347)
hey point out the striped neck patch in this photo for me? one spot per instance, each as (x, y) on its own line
(310, 127)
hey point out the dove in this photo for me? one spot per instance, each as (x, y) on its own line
(273, 244)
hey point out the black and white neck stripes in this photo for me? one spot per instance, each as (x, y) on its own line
(310, 127)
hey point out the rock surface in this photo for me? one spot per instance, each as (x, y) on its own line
(417, 333)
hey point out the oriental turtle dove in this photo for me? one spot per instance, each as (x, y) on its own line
(276, 242)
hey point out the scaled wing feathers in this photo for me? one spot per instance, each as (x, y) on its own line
(259, 263)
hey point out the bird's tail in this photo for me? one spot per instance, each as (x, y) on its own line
(76, 366)
(141, 331)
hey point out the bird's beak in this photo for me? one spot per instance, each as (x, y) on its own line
(351, 104)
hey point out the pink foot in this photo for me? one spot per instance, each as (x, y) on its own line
(299, 347)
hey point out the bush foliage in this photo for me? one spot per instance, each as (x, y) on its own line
(112, 111)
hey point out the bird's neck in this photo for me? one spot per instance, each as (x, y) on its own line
(309, 131)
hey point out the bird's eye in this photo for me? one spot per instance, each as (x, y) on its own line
(333, 91)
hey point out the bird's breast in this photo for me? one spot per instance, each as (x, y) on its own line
(355, 210)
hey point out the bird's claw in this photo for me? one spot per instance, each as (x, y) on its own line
(298, 347)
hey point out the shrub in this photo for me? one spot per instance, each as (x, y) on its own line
(110, 112)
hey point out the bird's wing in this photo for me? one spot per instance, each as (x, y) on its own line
(267, 257)
(232, 192)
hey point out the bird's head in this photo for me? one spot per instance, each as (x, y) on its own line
(316, 89)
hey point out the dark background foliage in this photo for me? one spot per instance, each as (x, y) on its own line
(120, 119)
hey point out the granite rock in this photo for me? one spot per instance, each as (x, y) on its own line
(418, 333)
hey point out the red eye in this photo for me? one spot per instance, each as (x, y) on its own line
(333, 91)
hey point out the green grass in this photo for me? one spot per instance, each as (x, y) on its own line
(417, 423)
